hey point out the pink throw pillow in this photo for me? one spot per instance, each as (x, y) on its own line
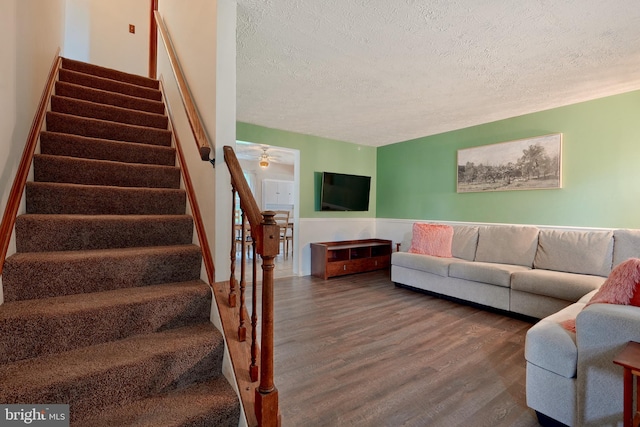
(621, 287)
(432, 239)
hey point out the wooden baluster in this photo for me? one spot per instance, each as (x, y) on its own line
(242, 329)
(253, 369)
(267, 412)
(232, 278)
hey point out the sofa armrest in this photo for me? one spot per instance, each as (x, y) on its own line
(602, 332)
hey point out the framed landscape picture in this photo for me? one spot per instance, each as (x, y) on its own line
(525, 164)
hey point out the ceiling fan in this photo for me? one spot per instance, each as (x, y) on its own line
(267, 157)
(264, 159)
(264, 154)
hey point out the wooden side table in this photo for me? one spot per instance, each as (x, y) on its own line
(629, 359)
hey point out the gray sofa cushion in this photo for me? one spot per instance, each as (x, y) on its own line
(552, 347)
(427, 263)
(582, 252)
(484, 272)
(565, 286)
(465, 242)
(627, 245)
(507, 244)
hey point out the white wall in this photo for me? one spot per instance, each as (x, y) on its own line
(98, 32)
(204, 37)
(396, 230)
(31, 31)
(226, 123)
(329, 230)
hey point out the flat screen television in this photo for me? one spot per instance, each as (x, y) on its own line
(343, 192)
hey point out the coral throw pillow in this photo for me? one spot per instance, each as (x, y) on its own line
(621, 287)
(432, 239)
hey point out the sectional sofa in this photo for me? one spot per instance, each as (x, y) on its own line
(548, 274)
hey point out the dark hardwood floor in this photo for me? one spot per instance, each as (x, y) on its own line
(359, 351)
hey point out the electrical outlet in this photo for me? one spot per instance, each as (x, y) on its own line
(132, 28)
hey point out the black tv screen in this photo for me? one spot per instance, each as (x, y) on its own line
(343, 192)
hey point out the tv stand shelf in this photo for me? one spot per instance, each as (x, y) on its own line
(329, 259)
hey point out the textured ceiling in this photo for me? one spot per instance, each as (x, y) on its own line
(376, 72)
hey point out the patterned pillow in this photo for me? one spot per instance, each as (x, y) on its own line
(432, 239)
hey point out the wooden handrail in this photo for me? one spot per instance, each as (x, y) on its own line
(202, 141)
(193, 202)
(247, 203)
(19, 182)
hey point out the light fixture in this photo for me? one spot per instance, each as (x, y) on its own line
(264, 159)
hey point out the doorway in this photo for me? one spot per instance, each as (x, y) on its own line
(273, 174)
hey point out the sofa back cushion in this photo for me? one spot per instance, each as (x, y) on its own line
(626, 245)
(465, 242)
(582, 252)
(507, 244)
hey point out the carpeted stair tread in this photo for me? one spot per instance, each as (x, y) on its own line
(34, 275)
(44, 232)
(89, 80)
(100, 96)
(116, 372)
(109, 73)
(62, 144)
(74, 170)
(95, 128)
(57, 198)
(211, 403)
(78, 107)
(34, 328)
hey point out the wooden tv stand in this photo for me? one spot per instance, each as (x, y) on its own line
(329, 259)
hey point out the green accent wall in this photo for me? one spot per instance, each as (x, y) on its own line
(600, 167)
(318, 155)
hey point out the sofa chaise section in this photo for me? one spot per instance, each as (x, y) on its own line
(570, 375)
(551, 352)
(568, 264)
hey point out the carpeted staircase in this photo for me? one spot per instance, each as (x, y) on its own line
(104, 307)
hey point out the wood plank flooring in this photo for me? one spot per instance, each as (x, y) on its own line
(359, 351)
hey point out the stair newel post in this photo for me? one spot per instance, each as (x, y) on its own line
(232, 277)
(242, 329)
(267, 411)
(253, 368)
